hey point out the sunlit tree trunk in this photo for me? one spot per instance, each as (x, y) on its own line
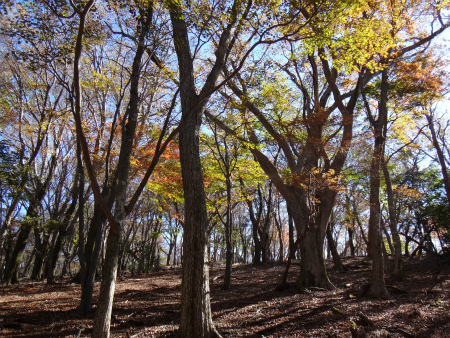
(377, 287)
(109, 271)
(398, 269)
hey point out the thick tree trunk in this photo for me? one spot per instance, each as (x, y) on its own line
(196, 319)
(41, 246)
(312, 263)
(102, 319)
(14, 260)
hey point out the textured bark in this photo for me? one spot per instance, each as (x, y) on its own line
(41, 246)
(312, 263)
(377, 288)
(102, 319)
(196, 320)
(109, 271)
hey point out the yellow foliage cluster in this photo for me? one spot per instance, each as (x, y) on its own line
(409, 192)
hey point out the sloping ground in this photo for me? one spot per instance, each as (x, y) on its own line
(148, 305)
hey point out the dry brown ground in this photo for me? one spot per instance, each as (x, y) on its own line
(148, 305)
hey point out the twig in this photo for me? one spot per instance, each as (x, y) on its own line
(79, 333)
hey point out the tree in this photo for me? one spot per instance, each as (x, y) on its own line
(196, 320)
(377, 286)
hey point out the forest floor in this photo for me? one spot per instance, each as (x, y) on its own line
(148, 305)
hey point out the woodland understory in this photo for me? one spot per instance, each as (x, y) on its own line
(148, 305)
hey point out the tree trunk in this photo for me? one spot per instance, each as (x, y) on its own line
(196, 319)
(291, 232)
(109, 272)
(255, 225)
(228, 232)
(350, 240)
(91, 254)
(66, 224)
(312, 263)
(332, 245)
(377, 287)
(41, 246)
(102, 320)
(440, 153)
(280, 238)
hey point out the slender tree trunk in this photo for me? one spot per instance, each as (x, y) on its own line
(66, 224)
(291, 232)
(332, 245)
(109, 271)
(440, 154)
(280, 239)
(228, 233)
(196, 319)
(102, 320)
(350, 231)
(377, 287)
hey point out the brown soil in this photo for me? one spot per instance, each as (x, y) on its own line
(148, 305)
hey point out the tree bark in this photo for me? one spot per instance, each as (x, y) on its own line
(228, 232)
(332, 245)
(440, 153)
(312, 263)
(109, 271)
(196, 320)
(291, 233)
(377, 287)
